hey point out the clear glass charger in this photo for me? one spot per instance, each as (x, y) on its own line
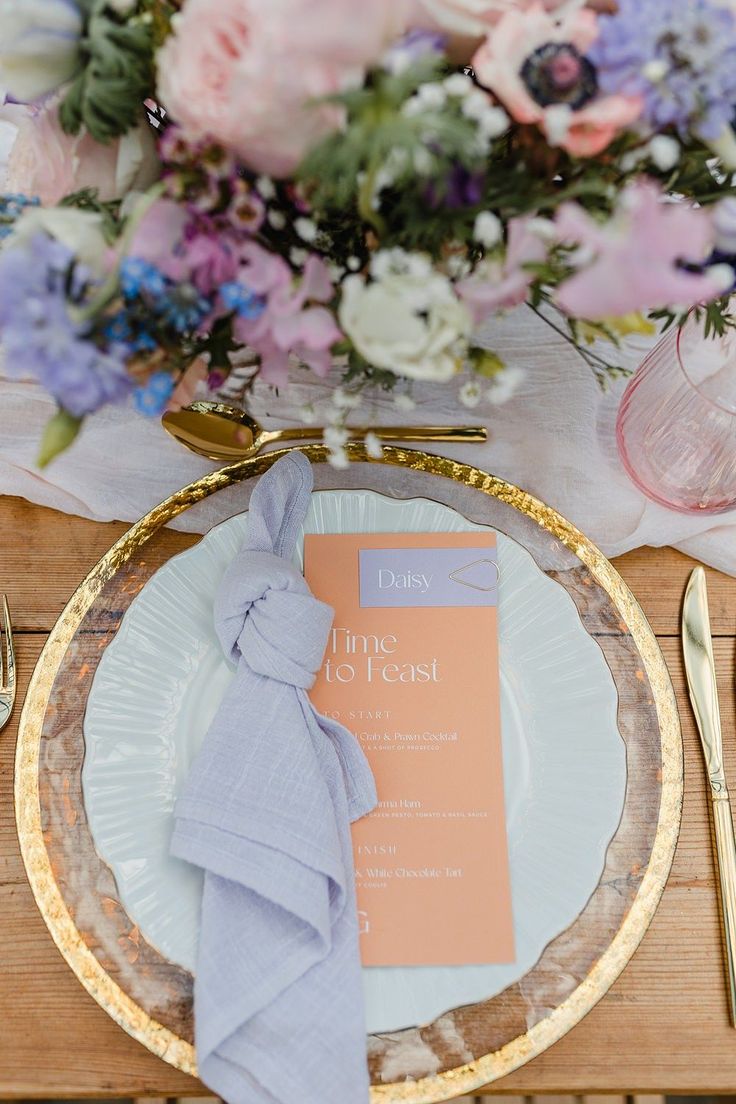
(151, 995)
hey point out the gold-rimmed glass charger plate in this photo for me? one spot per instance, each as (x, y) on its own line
(151, 996)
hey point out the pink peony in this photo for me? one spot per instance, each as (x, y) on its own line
(634, 261)
(498, 285)
(293, 323)
(244, 71)
(46, 162)
(518, 35)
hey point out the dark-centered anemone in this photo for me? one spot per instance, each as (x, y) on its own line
(557, 73)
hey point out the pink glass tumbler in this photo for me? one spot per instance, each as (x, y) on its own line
(676, 427)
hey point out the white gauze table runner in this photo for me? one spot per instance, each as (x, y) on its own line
(555, 438)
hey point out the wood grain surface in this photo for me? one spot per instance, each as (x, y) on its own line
(662, 1027)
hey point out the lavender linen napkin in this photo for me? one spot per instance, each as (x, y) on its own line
(278, 1002)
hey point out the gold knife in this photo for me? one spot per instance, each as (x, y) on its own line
(697, 648)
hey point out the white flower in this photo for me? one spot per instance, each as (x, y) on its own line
(266, 187)
(493, 122)
(305, 228)
(80, 231)
(633, 158)
(664, 151)
(503, 386)
(354, 264)
(470, 393)
(723, 275)
(487, 229)
(398, 262)
(411, 107)
(476, 103)
(298, 257)
(457, 266)
(277, 219)
(373, 446)
(724, 224)
(423, 161)
(338, 458)
(410, 325)
(307, 414)
(404, 402)
(335, 436)
(458, 84)
(39, 46)
(655, 70)
(345, 400)
(431, 96)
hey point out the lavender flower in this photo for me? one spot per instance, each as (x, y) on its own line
(40, 336)
(460, 188)
(679, 57)
(411, 47)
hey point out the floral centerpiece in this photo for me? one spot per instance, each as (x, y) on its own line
(304, 183)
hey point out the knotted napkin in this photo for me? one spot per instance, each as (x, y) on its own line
(266, 813)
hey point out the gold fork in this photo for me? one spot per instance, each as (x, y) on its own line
(7, 673)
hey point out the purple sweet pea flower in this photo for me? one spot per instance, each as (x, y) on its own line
(411, 47)
(461, 188)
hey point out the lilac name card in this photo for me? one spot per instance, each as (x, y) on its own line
(428, 577)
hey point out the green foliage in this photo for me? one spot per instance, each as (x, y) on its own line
(484, 362)
(58, 435)
(86, 200)
(117, 74)
(349, 169)
(219, 345)
(159, 13)
(717, 317)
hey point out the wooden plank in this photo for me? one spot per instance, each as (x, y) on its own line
(657, 577)
(55, 1040)
(44, 555)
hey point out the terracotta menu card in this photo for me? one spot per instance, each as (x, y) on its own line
(411, 668)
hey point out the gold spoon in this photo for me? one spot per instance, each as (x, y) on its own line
(222, 432)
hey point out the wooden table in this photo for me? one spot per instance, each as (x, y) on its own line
(663, 1027)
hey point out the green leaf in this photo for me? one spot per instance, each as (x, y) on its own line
(58, 435)
(118, 74)
(485, 362)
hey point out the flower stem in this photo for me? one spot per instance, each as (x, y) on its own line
(599, 366)
(109, 288)
(366, 194)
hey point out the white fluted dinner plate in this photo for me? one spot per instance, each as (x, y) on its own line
(161, 679)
